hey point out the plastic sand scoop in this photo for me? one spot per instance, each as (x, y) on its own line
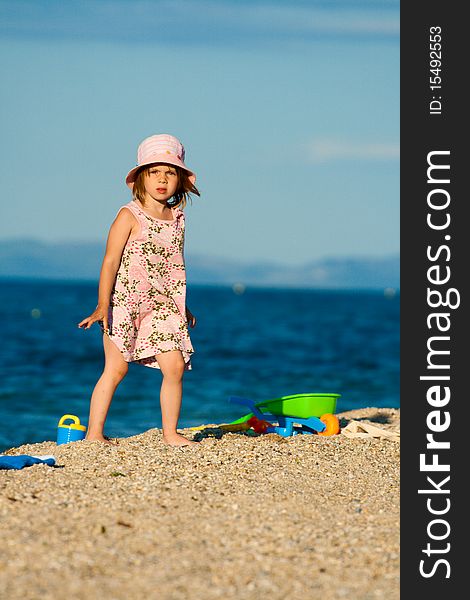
(312, 412)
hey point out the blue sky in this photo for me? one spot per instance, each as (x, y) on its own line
(289, 112)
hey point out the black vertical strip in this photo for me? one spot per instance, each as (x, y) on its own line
(434, 270)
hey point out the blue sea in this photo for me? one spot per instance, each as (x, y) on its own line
(261, 344)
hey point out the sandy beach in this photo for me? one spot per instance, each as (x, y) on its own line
(235, 517)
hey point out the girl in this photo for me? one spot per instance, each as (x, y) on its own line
(142, 290)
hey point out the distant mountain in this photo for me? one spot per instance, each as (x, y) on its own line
(39, 260)
(81, 260)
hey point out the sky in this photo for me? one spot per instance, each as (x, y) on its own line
(288, 111)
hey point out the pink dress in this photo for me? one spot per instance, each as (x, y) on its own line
(147, 313)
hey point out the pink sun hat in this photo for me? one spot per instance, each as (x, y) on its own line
(162, 148)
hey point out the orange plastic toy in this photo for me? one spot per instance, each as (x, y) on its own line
(332, 424)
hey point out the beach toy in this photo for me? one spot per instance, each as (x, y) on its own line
(301, 405)
(331, 425)
(257, 425)
(24, 460)
(313, 413)
(70, 433)
(233, 427)
(297, 405)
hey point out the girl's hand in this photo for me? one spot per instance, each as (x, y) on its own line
(100, 314)
(191, 318)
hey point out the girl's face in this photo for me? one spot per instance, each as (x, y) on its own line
(160, 182)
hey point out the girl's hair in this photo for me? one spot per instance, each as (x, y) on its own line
(179, 198)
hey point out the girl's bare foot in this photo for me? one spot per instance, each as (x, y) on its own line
(176, 439)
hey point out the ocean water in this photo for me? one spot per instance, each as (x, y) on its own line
(260, 344)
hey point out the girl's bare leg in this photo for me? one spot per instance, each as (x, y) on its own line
(114, 372)
(172, 367)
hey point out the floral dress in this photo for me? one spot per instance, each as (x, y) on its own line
(147, 313)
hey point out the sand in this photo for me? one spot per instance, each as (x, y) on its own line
(234, 517)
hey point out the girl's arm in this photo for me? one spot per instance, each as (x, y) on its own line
(118, 235)
(189, 315)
